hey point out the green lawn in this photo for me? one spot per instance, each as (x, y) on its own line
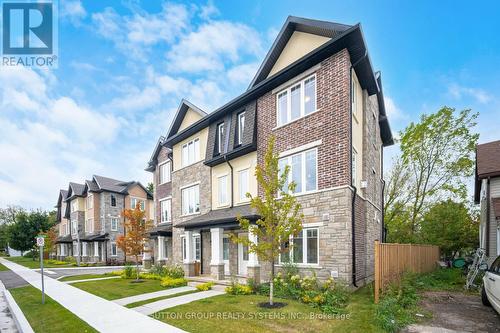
(3, 268)
(30, 263)
(151, 300)
(85, 277)
(119, 288)
(49, 317)
(231, 313)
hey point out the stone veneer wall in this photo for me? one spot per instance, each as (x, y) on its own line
(108, 211)
(160, 190)
(197, 172)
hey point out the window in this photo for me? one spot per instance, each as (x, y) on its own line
(166, 211)
(113, 200)
(135, 201)
(74, 227)
(191, 200)
(164, 170)
(165, 248)
(74, 205)
(190, 152)
(304, 248)
(89, 226)
(90, 202)
(84, 249)
(296, 101)
(114, 251)
(354, 95)
(225, 248)
(302, 170)
(243, 185)
(197, 247)
(241, 127)
(220, 138)
(222, 195)
(114, 224)
(354, 165)
(183, 247)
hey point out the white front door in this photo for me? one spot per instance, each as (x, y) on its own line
(242, 257)
(225, 254)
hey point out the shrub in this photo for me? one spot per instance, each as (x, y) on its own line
(169, 282)
(150, 276)
(115, 273)
(56, 262)
(128, 272)
(174, 271)
(205, 286)
(239, 289)
(158, 269)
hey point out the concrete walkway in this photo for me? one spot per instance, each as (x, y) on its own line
(151, 308)
(161, 293)
(94, 279)
(103, 315)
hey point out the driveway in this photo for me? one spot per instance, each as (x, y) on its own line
(456, 312)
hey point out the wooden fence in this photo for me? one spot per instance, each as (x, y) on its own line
(392, 260)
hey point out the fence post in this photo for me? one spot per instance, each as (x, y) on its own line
(377, 271)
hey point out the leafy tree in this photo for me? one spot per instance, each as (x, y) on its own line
(278, 209)
(437, 157)
(28, 225)
(136, 234)
(50, 240)
(150, 188)
(451, 226)
(8, 215)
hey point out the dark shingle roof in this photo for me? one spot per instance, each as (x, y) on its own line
(110, 184)
(220, 216)
(92, 185)
(77, 189)
(488, 159)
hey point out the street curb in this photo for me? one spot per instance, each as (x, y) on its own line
(22, 323)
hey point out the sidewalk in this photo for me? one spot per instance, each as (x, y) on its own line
(151, 308)
(103, 315)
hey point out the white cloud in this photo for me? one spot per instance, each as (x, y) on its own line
(392, 110)
(458, 92)
(208, 11)
(73, 10)
(242, 74)
(212, 46)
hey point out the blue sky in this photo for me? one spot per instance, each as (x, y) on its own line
(125, 65)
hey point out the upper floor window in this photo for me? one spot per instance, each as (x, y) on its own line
(296, 101)
(113, 200)
(90, 201)
(222, 195)
(220, 138)
(354, 95)
(303, 170)
(74, 205)
(241, 127)
(66, 227)
(191, 200)
(135, 201)
(243, 185)
(74, 227)
(166, 211)
(190, 152)
(89, 226)
(164, 170)
(114, 224)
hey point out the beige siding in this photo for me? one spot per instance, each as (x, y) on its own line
(299, 44)
(190, 118)
(357, 129)
(139, 193)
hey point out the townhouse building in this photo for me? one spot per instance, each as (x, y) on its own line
(315, 92)
(90, 218)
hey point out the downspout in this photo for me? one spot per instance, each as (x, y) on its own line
(487, 231)
(353, 216)
(384, 233)
(232, 184)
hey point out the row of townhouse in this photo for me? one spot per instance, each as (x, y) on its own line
(317, 93)
(90, 218)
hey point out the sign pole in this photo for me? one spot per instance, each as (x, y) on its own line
(40, 240)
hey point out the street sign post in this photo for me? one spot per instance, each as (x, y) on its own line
(40, 241)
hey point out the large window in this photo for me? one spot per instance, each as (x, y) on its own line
(74, 205)
(74, 227)
(190, 152)
(66, 226)
(89, 226)
(243, 180)
(296, 101)
(304, 248)
(302, 170)
(114, 224)
(135, 201)
(222, 190)
(191, 200)
(166, 211)
(114, 250)
(90, 201)
(220, 138)
(241, 127)
(164, 172)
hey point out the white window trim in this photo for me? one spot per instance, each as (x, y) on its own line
(183, 244)
(84, 249)
(199, 199)
(169, 172)
(111, 200)
(302, 100)
(90, 199)
(244, 199)
(304, 248)
(196, 158)
(300, 149)
(220, 138)
(116, 247)
(161, 211)
(304, 174)
(219, 203)
(73, 231)
(137, 199)
(111, 222)
(240, 131)
(89, 227)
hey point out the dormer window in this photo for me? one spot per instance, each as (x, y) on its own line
(220, 138)
(241, 127)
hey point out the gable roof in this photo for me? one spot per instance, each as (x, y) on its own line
(100, 184)
(487, 164)
(75, 190)
(184, 106)
(153, 161)
(351, 39)
(63, 194)
(292, 24)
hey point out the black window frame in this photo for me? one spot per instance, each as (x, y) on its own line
(219, 146)
(113, 197)
(237, 132)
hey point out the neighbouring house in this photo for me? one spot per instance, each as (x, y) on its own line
(317, 93)
(90, 218)
(487, 194)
